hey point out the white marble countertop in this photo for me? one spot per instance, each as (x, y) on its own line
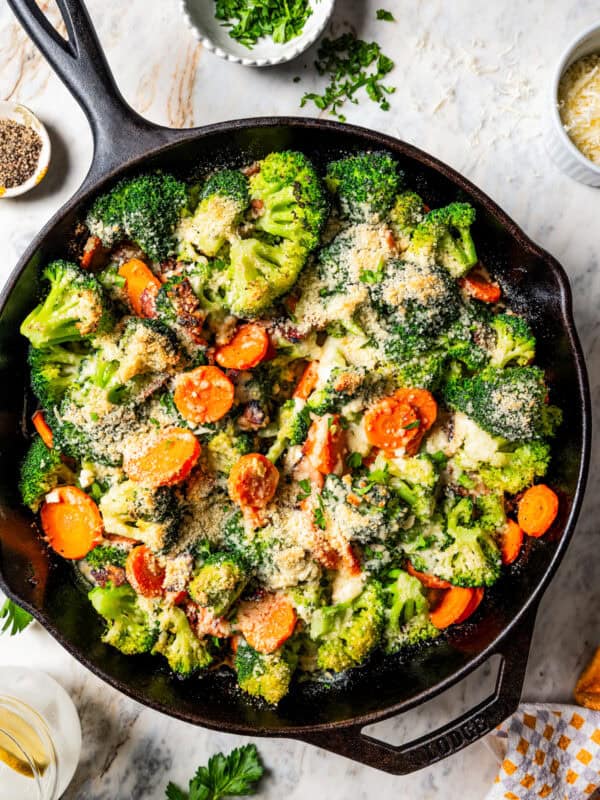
(471, 81)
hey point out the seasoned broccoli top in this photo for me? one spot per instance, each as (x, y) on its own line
(278, 423)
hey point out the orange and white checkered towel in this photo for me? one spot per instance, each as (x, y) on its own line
(552, 751)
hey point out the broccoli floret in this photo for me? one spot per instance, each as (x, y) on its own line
(406, 214)
(505, 402)
(491, 516)
(415, 302)
(444, 237)
(366, 184)
(41, 471)
(73, 309)
(469, 337)
(209, 282)
(424, 371)
(407, 612)
(84, 434)
(413, 479)
(347, 633)
(151, 516)
(107, 554)
(293, 202)
(178, 643)
(226, 447)
(253, 548)
(145, 209)
(266, 676)
(515, 470)
(53, 370)
(306, 599)
(223, 200)
(514, 342)
(114, 285)
(292, 427)
(342, 384)
(130, 629)
(218, 583)
(260, 272)
(471, 558)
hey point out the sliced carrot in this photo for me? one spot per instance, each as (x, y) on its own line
(248, 348)
(326, 445)
(140, 284)
(266, 623)
(144, 572)
(71, 521)
(93, 247)
(511, 542)
(42, 427)
(479, 288)
(423, 402)
(474, 604)
(204, 394)
(451, 607)
(308, 381)
(167, 459)
(537, 510)
(429, 581)
(391, 424)
(253, 481)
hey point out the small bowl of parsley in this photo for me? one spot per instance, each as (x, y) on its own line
(257, 34)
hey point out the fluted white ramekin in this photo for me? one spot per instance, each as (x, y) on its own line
(200, 16)
(560, 147)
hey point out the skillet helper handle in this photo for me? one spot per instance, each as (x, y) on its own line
(120, 133)
(449, 739)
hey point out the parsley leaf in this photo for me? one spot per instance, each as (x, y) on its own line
(412, 425)
(350, 64)
(234, 775)
(354, 460)
(387, 16)
(250, 20)
(15, 618)
(319, 514)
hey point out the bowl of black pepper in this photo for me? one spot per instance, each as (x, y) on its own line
(24, 150)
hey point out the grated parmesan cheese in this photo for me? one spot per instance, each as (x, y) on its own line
(579, 105)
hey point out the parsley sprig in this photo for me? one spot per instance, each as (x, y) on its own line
(234, 775)
(250, 20)
(385, 15)
(15, 618)
(350, 64)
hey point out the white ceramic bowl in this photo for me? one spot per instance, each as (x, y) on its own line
(19, 113)
(200, 16)
(560, 147)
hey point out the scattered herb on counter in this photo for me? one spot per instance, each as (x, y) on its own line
(350, 64)
(387, 16)
(20, 148)
(15, 618)
(249, 20)
(234, 775)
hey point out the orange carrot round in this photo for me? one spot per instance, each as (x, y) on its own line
(474, 604)
(326, 444)
(451, 607)
(144, 572)
(537, 510)
(204, 394)
(391, 424)
(253, 481)
(71, 521)
(429, 581)
(511, 542)
(266, 623)
(423, 402)
(141, 284)
(480, 289)
(167, 459)
(308, 381)
(44, 430)
(248, 348)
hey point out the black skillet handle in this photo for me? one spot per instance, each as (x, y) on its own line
(434, 746)
(120, 134)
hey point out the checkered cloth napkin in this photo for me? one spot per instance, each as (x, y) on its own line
(549, 751)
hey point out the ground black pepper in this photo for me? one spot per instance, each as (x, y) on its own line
(20, 148)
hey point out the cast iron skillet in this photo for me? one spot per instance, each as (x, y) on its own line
(533, 282)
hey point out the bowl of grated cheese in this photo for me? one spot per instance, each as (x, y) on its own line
(573, 135)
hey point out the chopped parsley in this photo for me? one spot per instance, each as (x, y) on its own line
(384, 15)
(250, 20)
(319, 514)
(350, 64)
(305, 489)
(412, 425)
(354, 460)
